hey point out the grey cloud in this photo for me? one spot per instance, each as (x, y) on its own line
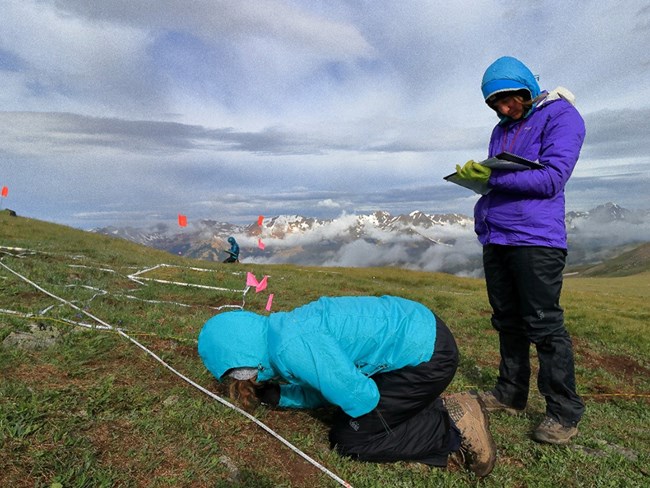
(610, 234)
(464, 256)
(617, 133)
(296, 106)
(66, 130)
(114, 58)
(270, 19)
(429, 199)
(66, 64)
(626, 189)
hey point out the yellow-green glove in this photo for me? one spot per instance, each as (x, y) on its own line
(472, 170)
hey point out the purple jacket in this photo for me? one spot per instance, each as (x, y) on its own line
(526, 208)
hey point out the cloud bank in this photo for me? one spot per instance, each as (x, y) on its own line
(122, 111)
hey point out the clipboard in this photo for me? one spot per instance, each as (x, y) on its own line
(504, 160)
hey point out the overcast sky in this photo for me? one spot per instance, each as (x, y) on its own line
(127, 112)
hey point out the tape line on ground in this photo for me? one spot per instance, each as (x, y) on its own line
(186, 379)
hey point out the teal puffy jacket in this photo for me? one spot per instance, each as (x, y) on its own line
(324, 351)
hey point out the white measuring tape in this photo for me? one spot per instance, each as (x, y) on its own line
(188, 380)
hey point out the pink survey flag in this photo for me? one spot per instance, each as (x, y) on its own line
(5, 191)
(182, 220)
(269, 302)
(260, 244)
(260, 219)
(251, 280)
(261, 285)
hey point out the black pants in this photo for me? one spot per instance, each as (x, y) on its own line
(524, 286)
(410, 421)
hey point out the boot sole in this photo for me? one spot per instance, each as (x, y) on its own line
(484, 471)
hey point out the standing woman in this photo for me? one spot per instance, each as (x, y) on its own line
(520, 224)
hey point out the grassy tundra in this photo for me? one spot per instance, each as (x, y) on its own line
(92, 409)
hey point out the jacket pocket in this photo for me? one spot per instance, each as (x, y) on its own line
(369, 369)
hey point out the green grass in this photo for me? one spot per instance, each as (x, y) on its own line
(629, 262)
(95, 410)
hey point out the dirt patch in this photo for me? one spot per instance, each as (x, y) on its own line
(42, 376)
(112, 442)
(116, 442)
(625, 369)
(127, 369)
(261, 449)
(618, 365)
(250, 446)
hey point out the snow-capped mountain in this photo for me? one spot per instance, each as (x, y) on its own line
(603, 231)
(375, 239)
(606, 213)
(432, 242)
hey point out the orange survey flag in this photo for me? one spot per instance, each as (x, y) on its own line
(5, 191)
(182, 220)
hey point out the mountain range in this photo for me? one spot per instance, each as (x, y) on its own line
(430, 242)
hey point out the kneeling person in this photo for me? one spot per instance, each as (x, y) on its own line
(385, 361)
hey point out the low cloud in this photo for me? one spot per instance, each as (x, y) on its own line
(609, 234)
(451, 249)
(329, 203)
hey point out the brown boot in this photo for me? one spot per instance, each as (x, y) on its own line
(492, 404)
(477, 449)
(551, 431)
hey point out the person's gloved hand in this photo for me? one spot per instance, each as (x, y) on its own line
(268, 393)
(472, 170)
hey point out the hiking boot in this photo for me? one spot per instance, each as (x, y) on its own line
(553, 432)
(478, 452)
(493, 404)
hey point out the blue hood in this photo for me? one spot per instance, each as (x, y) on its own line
(234, 340)
(507, 74)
